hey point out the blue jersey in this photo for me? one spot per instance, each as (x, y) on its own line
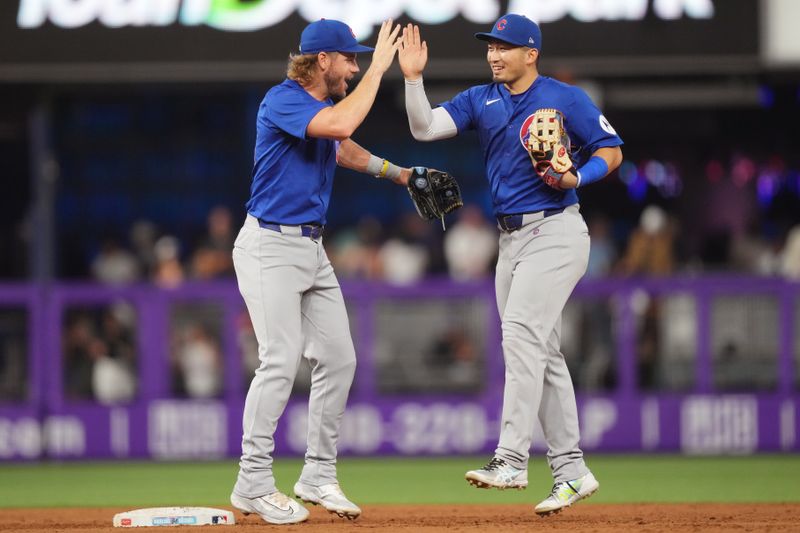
(293, 174)
(502, 119)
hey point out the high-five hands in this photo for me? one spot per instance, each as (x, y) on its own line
(386, 46)
(413, 54)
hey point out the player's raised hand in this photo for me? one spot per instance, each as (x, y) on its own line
(386, 46)
(413, 54)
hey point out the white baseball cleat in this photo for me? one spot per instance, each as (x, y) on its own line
(565, 493)
(329, 496)
(498, 474)
(275, 508)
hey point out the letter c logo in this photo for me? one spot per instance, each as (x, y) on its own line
(501, 25)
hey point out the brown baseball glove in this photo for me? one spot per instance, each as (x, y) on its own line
(549, 147)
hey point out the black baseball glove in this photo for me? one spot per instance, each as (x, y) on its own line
(434, 193)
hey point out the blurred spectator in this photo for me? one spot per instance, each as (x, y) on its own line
(113, 375)
(117, 329)
(99, 354)
(403, 262)
(597, 365)
(354, 252)
(470, 246)
(790, 256)
(729, 207)
(115, 265)
(113, 382)
(648, 340)
(594, 365)
(199, 362)
(753, 252)
(455, 355)
(13, 354)
(650, 250)
(603, 252)
(405, 257)
(78, 336)
(143, 235)
(168, 270)
(213, 258)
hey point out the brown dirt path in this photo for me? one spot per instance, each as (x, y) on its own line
(587, 517)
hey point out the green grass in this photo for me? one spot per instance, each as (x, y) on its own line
(638, 478)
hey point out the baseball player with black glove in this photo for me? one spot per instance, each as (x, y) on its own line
(284, 275)
(541, 140)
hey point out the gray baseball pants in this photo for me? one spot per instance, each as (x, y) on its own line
(297, 310)
(537, 269)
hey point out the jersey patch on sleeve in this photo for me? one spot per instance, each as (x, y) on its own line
(606, 125)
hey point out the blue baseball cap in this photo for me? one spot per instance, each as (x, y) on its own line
(514, 29)
(326, 35)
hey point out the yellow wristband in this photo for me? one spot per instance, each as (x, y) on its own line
(384, 168)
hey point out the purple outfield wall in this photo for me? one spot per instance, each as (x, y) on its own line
(155, 425)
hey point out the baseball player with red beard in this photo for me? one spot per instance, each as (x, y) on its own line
(283, 272)
(541, 140)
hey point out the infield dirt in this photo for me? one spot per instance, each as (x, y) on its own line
(434, 518)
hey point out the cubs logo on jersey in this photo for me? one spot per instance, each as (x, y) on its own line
(523, 131)
(524, 134)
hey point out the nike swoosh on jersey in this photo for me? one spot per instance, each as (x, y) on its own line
(490, 102)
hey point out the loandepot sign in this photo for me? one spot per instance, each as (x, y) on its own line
(362, 15)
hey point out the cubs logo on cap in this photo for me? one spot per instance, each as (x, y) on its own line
(514, 29)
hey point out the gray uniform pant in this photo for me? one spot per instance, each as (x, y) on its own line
(297, 309)
(537, 269)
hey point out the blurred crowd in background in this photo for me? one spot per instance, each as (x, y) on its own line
(151, 187)
(99, 348)
(413, 249)
(404, 253)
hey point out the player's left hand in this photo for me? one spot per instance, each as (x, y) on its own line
(433, 192)
(549, 148)
(568, 181)
(413, 53)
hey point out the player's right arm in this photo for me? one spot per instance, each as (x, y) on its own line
(426, 124)
(341, 120)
